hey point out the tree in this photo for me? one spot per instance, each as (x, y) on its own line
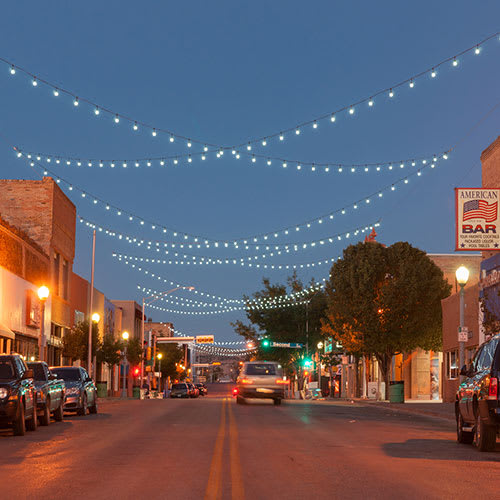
(110, 352)
(76, 341)
(134, 351)
(285, 323)
(490, 311)
(384, 301)
(171, 354)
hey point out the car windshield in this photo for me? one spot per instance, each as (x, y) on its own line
(179, 386)
(38, 371)
(6, 369)
(261, 369)
(68, 374)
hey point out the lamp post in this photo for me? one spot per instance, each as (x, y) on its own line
(159, 356)
(462, 275)
(308, 301)
(91, 305)
(95, 320)
(146, 302)
(124, 386)
(43, 295)
(319, 346)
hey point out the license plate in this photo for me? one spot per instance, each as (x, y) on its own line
(262, 389)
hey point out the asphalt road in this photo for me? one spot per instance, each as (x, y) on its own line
(212, 448)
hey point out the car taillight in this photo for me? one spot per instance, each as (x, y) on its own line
(246, 381)
(235, 391)
(281, 381)
(493, 388)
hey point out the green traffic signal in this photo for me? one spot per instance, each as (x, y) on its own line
(265, 343)
(307, 363)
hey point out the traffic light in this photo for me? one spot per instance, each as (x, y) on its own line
(266, 343)
(307, 363)
(136, 371)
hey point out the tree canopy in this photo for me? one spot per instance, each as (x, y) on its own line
(76, 341)
(385, 300)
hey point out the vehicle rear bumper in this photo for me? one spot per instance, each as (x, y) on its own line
(261, 392)
(179, 395)
(490, 412)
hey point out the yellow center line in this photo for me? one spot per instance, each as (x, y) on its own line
(214, 479)
(237, 490)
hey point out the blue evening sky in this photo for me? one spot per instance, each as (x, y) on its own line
(225, 72)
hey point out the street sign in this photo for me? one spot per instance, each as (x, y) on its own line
(200, 365)
(463, 334)
(289, 345)
(205, 339)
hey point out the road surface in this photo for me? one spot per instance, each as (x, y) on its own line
(212, 448)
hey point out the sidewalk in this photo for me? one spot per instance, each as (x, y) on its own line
(429, 408)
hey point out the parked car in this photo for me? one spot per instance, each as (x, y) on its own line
(180, 390)
(477, 406)
(17, 394)
(202, 388)
(260, 379)
(81, 392)
(49, 392)
(193, 390)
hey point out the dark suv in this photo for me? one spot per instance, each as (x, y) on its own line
(17, 394)
(477, 406)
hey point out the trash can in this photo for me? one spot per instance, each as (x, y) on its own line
(396, 391)
(136, 393)
(102, 389)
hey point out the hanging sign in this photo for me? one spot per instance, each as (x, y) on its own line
(477, 219)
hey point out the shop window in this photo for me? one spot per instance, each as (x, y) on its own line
(56, 330)
(452, 365)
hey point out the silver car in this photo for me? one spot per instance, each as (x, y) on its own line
(260, 379)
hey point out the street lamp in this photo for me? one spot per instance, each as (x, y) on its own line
(125, 336)
(159, 356)
(462, 275)
(146, 302)
(43, 295)
(96, 317)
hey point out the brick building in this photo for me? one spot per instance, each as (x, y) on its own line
(485, 282)
(40, 210)
(24, 267)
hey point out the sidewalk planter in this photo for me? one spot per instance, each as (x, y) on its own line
(397, 391)
(102, 389)
(136, 393)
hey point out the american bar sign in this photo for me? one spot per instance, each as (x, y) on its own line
(477, 219)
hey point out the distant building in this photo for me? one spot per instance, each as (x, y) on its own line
(131, 316)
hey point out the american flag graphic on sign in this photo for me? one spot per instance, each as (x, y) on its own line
(479, 209)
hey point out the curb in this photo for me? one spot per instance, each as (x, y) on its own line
(412, 411)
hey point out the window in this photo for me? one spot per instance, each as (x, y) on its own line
(57, 260)
(485, 359)
(79, 317)
(452, 364)
(65, 282)
(261, 369)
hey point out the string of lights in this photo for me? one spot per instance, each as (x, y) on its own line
(369, 101)
(136, 125)
(286, 163)
(249, 241)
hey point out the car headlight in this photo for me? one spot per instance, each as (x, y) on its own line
(3, 392)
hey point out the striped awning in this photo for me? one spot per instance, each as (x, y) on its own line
(6, 332)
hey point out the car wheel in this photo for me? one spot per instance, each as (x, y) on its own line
(19, 425)
(59, 413)
(82, 411)
(93, 408)
(277, 401)
(464, 437)
(484, 435)
(32, 423)
(240, 400)
(45, 418)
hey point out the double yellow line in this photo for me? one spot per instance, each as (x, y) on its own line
(213, 490)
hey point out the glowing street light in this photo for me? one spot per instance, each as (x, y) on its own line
(96, 317)
(462, 275)
(125, 336)
(43, 294)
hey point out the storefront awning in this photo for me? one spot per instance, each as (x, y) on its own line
(6, 332)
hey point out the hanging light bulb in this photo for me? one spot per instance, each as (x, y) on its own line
(249, 147)
(412, 84)
(264, 142)
(153, 133)
(332, 118)
(370, 103)
(433, 73)
(391, 93)
(117, 119)
(34, 82)
(351, 110)
(455, 62)
(477, 50)
(96, 111)
(55, 92)
(135, 126)
(189, 143)
(297, 131)
(12, 70)
(76, 102)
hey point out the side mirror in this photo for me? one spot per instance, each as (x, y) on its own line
(28, 374)
(88, 379)
(464, 371)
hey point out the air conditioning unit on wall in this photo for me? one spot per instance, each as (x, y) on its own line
(373, 388)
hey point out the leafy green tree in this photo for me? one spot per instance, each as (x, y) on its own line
(384, 301)
(75, 342)
(171, 354)
(134, 350)
(286, 323)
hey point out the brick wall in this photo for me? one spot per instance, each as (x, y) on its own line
(449, 263)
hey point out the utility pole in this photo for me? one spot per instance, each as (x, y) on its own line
(91, 305)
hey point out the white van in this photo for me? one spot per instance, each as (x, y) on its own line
(260, 379)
